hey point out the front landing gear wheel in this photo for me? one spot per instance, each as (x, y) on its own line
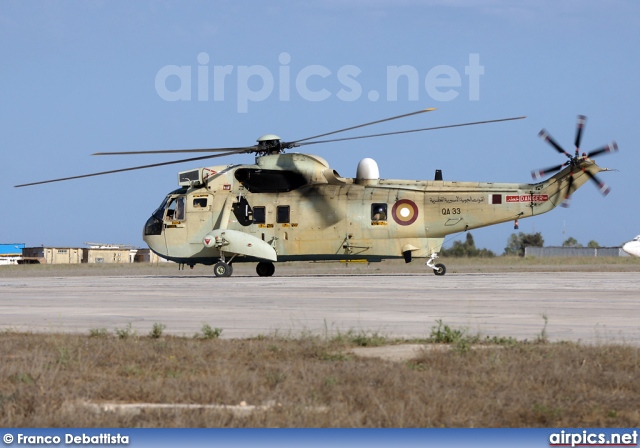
(222, 269)
(440, 269)
(265, 269)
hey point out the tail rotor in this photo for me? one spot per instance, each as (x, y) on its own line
(575, 161)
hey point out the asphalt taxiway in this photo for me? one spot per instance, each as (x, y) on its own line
(589, 307)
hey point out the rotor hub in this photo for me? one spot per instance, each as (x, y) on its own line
(269, 144)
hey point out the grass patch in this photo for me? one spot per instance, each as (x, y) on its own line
(454, 265)
(45, 379)
(98, 333)
(126, 332)
(157, 330)
(444, 334)
(361, 338)
(208, 332)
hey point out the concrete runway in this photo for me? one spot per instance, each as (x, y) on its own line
(588, 307)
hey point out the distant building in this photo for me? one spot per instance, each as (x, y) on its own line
(12, 249)
(93, 254)
(147, 256)
(107, 255)
(10, 253)
(562, 251)
(51, 255)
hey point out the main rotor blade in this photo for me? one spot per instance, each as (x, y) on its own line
(581, 121)
(604, 188)
(175, 151)
(294, 143)
(412, 130)
(193, 159)
(611, 147)
(546, 137)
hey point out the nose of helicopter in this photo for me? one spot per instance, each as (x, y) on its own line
(152, 235)
(156, 243)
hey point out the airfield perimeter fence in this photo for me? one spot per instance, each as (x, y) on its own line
(559, 251)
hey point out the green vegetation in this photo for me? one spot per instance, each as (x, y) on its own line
(571, 242)
(462, 340)
(207, 332)
(517, 243)
(125, 333)
(361, 338)
(466, 249)
(157, 330)
(543, 338)
(443, 334)
(98, 333)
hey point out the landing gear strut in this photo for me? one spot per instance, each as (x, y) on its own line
(438, 269)
(265, 269)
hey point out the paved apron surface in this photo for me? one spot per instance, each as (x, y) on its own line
(591, 307)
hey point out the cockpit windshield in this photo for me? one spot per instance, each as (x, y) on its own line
(173, 205)
(159, 213)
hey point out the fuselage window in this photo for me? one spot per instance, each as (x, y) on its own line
(199, 202)
(378, 212)
(282, 214)
(259, 215)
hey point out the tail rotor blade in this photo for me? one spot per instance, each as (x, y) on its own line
(540, 173)
(567, 196)
(581, 121)
(576, 163)
(546, 137)
(611, 147)
(603, 187)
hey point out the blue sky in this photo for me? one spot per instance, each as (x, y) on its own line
(82, 77)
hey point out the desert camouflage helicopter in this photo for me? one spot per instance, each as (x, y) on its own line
(292, 206)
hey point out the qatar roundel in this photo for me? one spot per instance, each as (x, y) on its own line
(404, 212)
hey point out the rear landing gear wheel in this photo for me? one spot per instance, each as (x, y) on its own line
(222, 269)
(265, 269)
(440, 269)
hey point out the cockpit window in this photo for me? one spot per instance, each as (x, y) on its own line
(175, 209)
(159, 213)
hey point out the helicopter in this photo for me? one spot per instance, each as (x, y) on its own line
(632, 247)
(291, 206)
